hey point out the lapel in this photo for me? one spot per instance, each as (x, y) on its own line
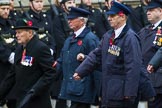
(72, 39)
(150, 32)
(81, 36)
(124, 31)
(31, 45)
(160, 25)
(18, 54)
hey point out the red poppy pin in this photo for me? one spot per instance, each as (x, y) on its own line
(80, 42)
(29, 23)
(120, 13)
(111, 41)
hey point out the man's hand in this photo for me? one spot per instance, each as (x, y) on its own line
(76, 76)
(54, 64)
(80, 57)
(11, 58)
(150, 68)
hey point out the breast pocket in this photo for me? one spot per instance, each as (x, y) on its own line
(75, 87)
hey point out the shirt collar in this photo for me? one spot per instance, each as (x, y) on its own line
(119, 30)
(78, 32)
(156, 24)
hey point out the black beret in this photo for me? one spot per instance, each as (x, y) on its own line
(25, 24)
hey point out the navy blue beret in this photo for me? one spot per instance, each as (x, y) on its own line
(77, 12)
(154, 4)
(118, 7)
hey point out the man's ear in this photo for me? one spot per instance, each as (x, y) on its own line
(31, 32)
(160, 9)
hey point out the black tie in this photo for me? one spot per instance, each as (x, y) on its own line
(74, 36)
(151, 26)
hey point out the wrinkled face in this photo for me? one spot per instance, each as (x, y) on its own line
(116, 20)
(87, 2)
(70, 3)
(4, 11)
(23, 36)
(36, 5)
(76, 23)
(154, 15)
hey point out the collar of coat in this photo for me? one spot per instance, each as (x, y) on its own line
(83, 33)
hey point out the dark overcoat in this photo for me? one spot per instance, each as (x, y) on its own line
(40, 19)
(157, 59)
(36, 75)
(83, 90)
(6, 47)
(43, 22)
(147, 36)
(15, 15)
(60, 36)
(120, 67)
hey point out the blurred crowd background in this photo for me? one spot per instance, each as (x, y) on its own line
(95, 3)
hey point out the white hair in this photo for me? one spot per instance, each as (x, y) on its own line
(85, 19)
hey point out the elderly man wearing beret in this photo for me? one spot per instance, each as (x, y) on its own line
(76, 47)
(29, 79)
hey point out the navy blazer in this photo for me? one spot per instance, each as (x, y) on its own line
(78, 91)
(120, 70)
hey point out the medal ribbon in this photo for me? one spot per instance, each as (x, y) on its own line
(23, 55)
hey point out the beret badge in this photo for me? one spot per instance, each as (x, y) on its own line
(29, 23)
